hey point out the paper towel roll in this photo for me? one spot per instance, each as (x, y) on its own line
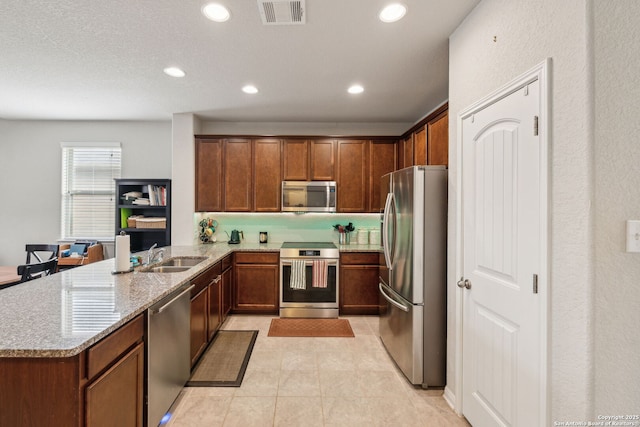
(122, 253)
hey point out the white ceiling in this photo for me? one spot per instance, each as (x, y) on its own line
(103, 60)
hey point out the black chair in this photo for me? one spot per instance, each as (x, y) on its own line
(34, 271)
(36, 249)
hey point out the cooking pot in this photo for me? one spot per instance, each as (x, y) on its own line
(235, 236)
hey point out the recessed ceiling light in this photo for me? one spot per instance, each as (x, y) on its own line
(355, 89)
(393, 12)
(174, 72)
(216, 12)
(251, 89)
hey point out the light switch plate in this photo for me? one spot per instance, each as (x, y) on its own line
(633, 236)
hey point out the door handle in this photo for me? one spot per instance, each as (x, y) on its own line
(391, 300)
(464, 283)
(164, 307)
(385, 233)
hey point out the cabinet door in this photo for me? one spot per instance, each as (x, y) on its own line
(199, 337)
(359, 289)
(420, 147)
(295, 160)
(267, 183)
(116, 397)
(382, 160)
(323, 160)
(209, 175)
(406, 145)
(352, 176)
(256, 288)
(238, 176)
(438, 140)
(214, 307)
(227, 292)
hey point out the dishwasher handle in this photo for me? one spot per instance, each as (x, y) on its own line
(165, 306)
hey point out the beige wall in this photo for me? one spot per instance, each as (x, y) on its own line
(525, 34)
(30, 172)
(617, 189)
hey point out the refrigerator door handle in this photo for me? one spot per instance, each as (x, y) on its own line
(385, 231)
(391, 300)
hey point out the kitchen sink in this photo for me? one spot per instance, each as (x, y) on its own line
(182, 262)
(174, 265)
(165, 269)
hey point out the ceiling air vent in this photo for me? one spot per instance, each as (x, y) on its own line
(282, 12)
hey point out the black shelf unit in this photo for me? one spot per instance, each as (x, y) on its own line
(143, 238)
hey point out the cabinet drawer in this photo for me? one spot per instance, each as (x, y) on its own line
(360, 258)
(203, 280)
(257, 257)
(110, 348)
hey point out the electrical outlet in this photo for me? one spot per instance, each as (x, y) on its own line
(633, 236)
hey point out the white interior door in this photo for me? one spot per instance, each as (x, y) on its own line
(501, 211)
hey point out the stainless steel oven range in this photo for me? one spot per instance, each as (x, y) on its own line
(309, 279)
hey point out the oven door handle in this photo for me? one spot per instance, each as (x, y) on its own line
(308, 262)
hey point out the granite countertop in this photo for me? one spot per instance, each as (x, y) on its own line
(63, 314)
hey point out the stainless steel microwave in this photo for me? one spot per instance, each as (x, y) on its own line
(309, 196)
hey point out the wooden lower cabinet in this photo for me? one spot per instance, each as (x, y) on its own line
(103, 385)
(359, 283)
(120, 387)
(227, 292)
(214, 317)
(256, 282)
(199, 320)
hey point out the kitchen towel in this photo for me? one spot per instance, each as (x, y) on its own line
(123, 245)
(298, 278)
(319, 274)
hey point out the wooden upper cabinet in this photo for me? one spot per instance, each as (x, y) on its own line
(209, 178)
(382, 160)
(238, 177)
(267, 181)
(309, 160)
(322, 160)
(438, 139)
(295, 160)
(405, 152)
(420, 147)
(352, 176)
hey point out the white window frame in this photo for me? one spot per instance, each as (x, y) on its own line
(95, 219)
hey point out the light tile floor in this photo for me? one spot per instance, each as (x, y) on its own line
(315, 382)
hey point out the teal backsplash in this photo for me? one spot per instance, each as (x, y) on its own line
(310, 227)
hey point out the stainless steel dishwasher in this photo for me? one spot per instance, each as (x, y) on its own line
(168, 358)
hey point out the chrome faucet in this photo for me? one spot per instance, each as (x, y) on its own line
(154, 254)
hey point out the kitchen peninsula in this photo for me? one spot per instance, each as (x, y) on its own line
(67, 339)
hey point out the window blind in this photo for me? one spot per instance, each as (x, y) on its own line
(88, 189)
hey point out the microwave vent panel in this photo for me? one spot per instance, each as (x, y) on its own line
(282, 12)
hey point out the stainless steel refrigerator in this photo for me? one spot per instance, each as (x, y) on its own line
(413, 274)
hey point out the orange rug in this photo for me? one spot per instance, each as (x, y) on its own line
(310, 328)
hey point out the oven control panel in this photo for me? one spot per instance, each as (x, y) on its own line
(308, 252)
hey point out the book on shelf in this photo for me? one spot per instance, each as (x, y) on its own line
(157, 195)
